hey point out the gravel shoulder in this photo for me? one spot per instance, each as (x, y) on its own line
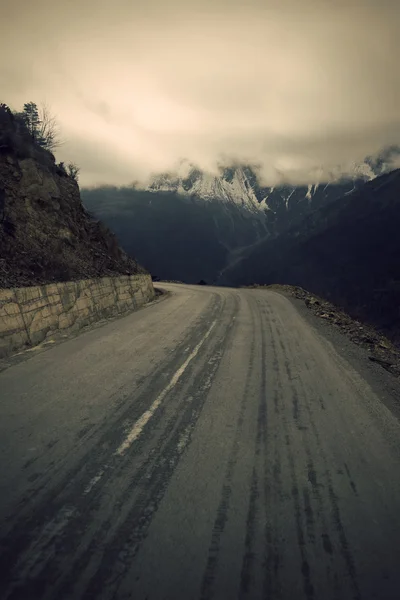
(354, 341)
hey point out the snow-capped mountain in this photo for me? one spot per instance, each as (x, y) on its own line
(387, 160)
(347, 252)
(239, 188)
(232, 186)
(190, 225)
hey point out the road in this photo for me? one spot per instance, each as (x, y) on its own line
(213, 445)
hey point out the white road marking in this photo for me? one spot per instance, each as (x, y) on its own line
(146, 416)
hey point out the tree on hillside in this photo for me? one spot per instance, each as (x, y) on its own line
(73, 171)
(30, 115)
(42, 125)
(49, 131)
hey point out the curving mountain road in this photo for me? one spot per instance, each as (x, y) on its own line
(213, 445)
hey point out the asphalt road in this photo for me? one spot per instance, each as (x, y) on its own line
(213, 445)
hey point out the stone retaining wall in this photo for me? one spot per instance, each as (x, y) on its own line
(30, 315)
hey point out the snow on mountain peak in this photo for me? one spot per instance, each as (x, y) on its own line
(239, 186)
(232, 186)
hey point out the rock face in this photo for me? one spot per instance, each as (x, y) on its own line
(234, 186)
(46, 234)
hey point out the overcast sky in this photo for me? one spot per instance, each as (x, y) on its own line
(296, 86)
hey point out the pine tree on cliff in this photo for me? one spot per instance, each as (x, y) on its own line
(32, 120)
(42, 126)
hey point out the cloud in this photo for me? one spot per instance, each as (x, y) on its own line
(300, 88)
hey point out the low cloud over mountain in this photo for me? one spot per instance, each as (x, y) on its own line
(302, 89)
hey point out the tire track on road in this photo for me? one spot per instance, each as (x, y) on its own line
(273, 585)
(312, 475)
(115, 557)
(210, 573)
(22, 537)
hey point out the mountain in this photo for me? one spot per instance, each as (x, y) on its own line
(233, 187)
(277, 207)
(191, 225)
(177, 237)
(347, 251)
(45, 233)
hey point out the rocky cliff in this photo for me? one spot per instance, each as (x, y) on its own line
(46, 234)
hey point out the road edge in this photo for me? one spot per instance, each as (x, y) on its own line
(53, 341)
(384, 384)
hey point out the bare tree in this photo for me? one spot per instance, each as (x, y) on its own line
(41, 124)
(49, 135)
(73, 171)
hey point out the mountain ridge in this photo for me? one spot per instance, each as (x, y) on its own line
(347, 252)
(206, 220)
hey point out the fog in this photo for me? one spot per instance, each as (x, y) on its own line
(304, 90)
